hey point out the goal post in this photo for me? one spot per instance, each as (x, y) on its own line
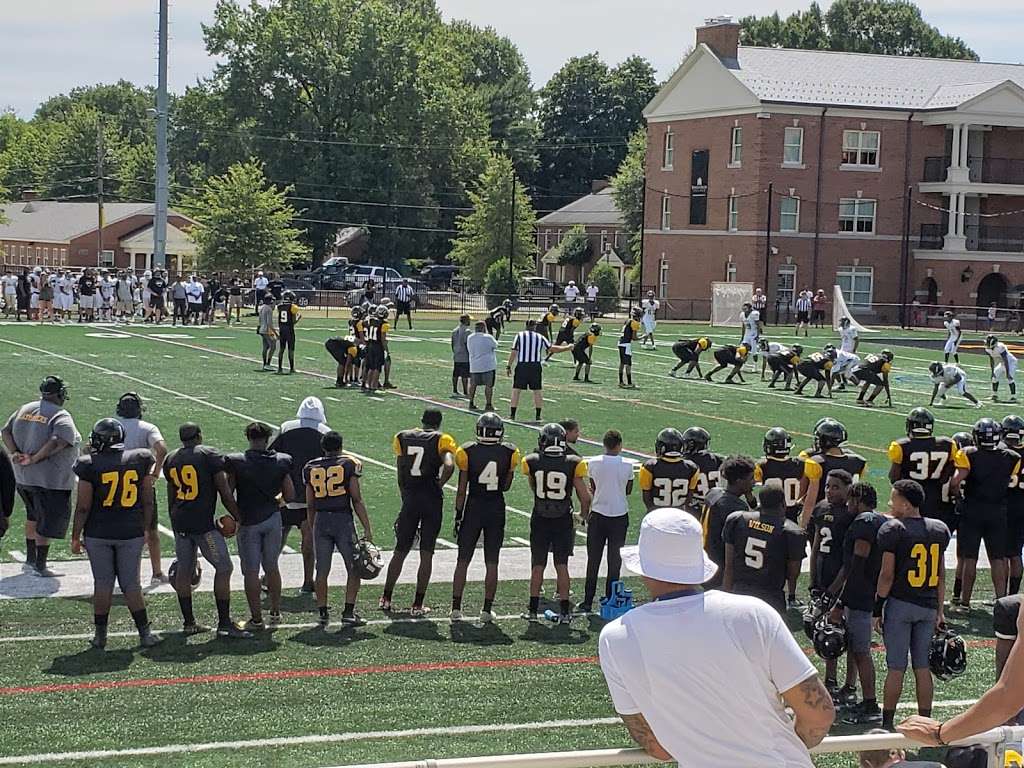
(841, 310)
(727, 300)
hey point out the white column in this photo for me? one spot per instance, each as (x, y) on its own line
(953, 206)
(965, 134)
(961, 218)
(954, 160)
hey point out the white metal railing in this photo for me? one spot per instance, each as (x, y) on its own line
(994, 741)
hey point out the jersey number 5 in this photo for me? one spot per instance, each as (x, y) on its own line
(129, 482)
(754, 553)
(551, 485)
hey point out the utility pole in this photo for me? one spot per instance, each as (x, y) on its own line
(512, 238)
(99, 191)
(160, 210)
(905, 258)
(640, 254)
(768, 239)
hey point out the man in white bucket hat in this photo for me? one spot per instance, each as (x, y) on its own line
(703, 678)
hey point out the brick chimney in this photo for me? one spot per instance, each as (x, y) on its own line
(722, 35)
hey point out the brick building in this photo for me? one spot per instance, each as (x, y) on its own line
(66, 234)
(839, 138)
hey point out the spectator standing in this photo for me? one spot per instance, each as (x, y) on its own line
(45, 297)
(403, 301)
(23, 295)
(460, 357)
(125, 303)
(267, 329)
(10, 289)
(803, 312)
(993, 313)
(369, 295)
(572, 295)
(235, 298)
(592, 292)
(157, 285)
(611, 481)
(42, 442)
(707, 674)
(275, 286)
(259, 287)
(179, 297)
(483, 364)
(819, 302)
(195, 292)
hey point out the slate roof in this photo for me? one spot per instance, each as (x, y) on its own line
(592, 209)
(56, 221)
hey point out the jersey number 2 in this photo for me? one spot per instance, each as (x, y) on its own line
(670, 492)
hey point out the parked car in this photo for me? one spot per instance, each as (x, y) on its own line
(540, 287)
(440, 276)
(355, 296)
(356, 275)
(304, 290)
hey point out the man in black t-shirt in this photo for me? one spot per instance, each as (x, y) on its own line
(195, 479)
(234, 298)
(275, 286)
(157, 286)
(911, 585)
(259, 477)
(87, 296)
(738, 473)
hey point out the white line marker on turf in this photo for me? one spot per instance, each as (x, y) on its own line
(18, 556)
(446, 543)
(710, 402)
(334, 399)
(240, 399)
(750, 402)
(587, 400)
(674, 402)
(92, 355)
(310, 358)
(169, 357)
(519, 540)
(94, 398)
(15, 354)
(287, 399)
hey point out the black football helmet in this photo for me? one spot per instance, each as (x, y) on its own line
(947, 315)
(887, 355)
(1013, 430)
(288, 296)
(844, 322)
(129, 406)
(986, 433)
(490, 428)
(197, 574)
(829, 639)
(777, 443)
(829, 433)
(595, 329)
(358, 313)
(831, 353)
(637, 313)
(107, 434)
(669, 443)
(578, 313)
(552, 440)
(695, 439)
(762, 344)
(367, 560)
(991, 340)
(935, 369)
(920, 423)
(797, 349)
(963, 439)
(947, 655)
(553, 309)
(382, 312)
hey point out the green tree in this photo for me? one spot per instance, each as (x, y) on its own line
(499, 284)
(606, 278)
(122, 103)
(485, 233)
(575, 249)
(628, 190)
(893, 27)
(243, 222)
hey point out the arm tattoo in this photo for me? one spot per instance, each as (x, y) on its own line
(642, 734)
(815, 695)
(817, 699)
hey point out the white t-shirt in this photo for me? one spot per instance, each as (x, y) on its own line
(571, 293)
(991, 313)
(651, 308)
(139, 433)
(750, 323)
(482, 349)
(610, 475)
(847, 338)
(194, 291)
(707, 671)
(592, 291)
(10, 283)
(260, 283)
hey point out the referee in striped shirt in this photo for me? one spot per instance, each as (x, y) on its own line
(403, 301)
(528, 350)
(803, 312)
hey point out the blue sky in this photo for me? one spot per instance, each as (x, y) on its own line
(51, 46)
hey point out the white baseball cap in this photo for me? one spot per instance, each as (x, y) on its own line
(671, 549)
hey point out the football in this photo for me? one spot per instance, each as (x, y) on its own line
(227, 525)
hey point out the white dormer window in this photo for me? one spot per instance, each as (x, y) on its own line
(668, 155)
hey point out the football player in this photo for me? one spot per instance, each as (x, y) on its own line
(945, 377)
(546, 320)
(583, 351)
(567, 332)
(988, 469)
(720, 503)
(763, 550)
(782, 361)
(630, 330)
(287, 317)
(376, 348)
(425, 457)
(728, 355)
(696, 448)
(114, 507)
(817, 367)
(650, 306)
(486, 469)
(950, 512)
(750, 320)
(796, 476)
(1005, 615)
(497, 318)
(911, 583)
(344, 351)
(849, 339)
(688, 351)
(1003, 365)
(1013, 438)
(829, 436)
(844, 366)
(953, 335)
(195, 478)
(333, 494)
(874, 371)
(925, 458)
(669, 480)
(553, 474)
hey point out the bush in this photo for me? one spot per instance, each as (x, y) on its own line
(498, 285)
(607, 280)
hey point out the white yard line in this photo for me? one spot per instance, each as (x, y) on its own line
(165, 530)
(18, 556)
(519, 540)
(446, 543)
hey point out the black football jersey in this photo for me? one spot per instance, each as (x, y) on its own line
(708, 464)
(553, 482)
(690, 346)
(853, 463)
(486, 466)
(1004, 616)
(929, 461)
(1015, 494)
(375, 330)
(786, 474)
(815, 364)
(87, 286)
(630, 330)
(729, 355)
(420, 455)
(859, 591)
(763, 546)
(330, 480)
(990, 473)
(258, 476)
(190, 472)
(499, 315)
(718, 505)
(569, 326)
(919, 546)
(116, 480)
(671, 482)
(875, 364)
(286, 315)
(830, 523)
(303, 445)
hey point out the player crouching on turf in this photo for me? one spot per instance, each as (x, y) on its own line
(333, 494)
(945, 377)
(781, 360)
(817, 367)
(115, 504)
(1003, 365)
(688, 351)
(842, 371)
(554, 474)
(344, 351)
(729, 355)
(497, 317)
(486, 469)
(874, 371)
(583, 351)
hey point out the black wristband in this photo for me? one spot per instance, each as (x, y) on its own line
(879, 605)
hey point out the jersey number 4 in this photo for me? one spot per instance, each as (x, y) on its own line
(928, 465)
(670, 492)
(129, 483)
(488, 476)
(551, 485)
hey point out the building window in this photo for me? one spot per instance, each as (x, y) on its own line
(793, 146)
(63, 257)
(857, 284)
(734, 213)
(785, 285)
(663, 279)
(669, 150)
(736, 152)
(860, 148)
(604, 241)
(666, 212)
(856, 215)
(789, 214)
(107, 259)
(730, 273)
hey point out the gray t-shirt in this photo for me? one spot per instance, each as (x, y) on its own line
(179, 291)
(140, 434)
(268, 319)
(460, 354)
(482, 349)
(32, 426)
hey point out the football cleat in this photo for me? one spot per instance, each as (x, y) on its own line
(487, 617)
(456, 615)
(947, 655)
(352, 620)
(920, 423)
(233, 632)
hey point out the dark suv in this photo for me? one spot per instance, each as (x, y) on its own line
(439, 276)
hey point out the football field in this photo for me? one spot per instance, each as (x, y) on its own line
(392, 690)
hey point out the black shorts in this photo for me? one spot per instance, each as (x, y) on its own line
(1014, 532)
(403, 308)
(565, 337)
(50, 510)
(338, 349)
(865, 376)
(155, 519)
(528, 376)
(811, 371)
(492, 325)
(779, 365)
(286, 335)
(374, 357)
(684, 353)
(420, 512)
(484, 518)
(580, 356)
(803, 316)
(292, 517)
(461, 370)
(625, 356)
(156, 300)
(551, 535)
(948, 515)
(980, 524)
(819, 314)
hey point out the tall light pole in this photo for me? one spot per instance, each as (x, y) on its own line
(160, 212)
